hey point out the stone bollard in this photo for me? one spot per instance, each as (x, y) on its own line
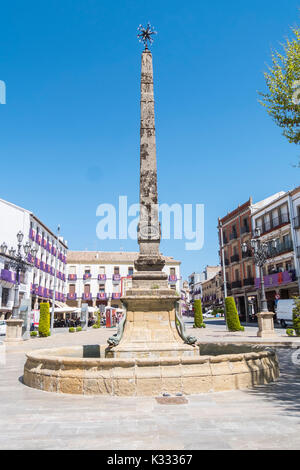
(14, 330)
(265, 325)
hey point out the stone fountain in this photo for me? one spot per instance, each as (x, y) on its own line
(151, 353)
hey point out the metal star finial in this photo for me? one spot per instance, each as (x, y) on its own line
(145, 34)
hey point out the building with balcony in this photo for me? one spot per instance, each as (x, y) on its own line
(212, 293)
(38, 282)
(278, 220)
(239, 267)
(196, 280)
(101, 278)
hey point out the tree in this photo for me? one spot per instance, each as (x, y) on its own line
(232, 317)
(44, 323)
(283, 81)
(198, 322)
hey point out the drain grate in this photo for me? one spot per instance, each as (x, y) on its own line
(171, 400)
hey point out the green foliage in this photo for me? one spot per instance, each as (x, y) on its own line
(198, 321)
(232, 318)
(72, 329)
(44, 324)
(78, 328)
(283, 82)
(290, 332)
(33, 333)
(98, 322)
(216, 311)
(296, 316)
(295, 331)
(96, 326)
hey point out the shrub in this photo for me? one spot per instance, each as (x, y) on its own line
(290, 332)
(33, 333)
(198, 321)
(72, 329)
(44, 324)
(98, 322)
(96, 326)
(296, 316)
(232, 318)
(295, 331)
(78, 328)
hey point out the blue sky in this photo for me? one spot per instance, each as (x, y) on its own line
(69, 136)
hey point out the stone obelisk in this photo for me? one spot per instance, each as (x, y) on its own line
(150, 329)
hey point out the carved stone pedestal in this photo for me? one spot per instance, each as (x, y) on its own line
(265, 325)
(14, 330)
(150, 329)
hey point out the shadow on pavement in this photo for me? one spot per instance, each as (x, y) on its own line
(285, 392)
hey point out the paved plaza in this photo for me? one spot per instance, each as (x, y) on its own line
(267, 417)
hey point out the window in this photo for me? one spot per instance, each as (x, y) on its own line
(237, 275)
(87, 270)
(249, 271)
(72, 270)
(87, 289)
(172, 271)
(101, 288)
(116, 270)
(101, 270)
(130, 271)
(72, 289)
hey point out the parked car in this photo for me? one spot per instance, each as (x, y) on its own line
(284, 312)
(2, 327)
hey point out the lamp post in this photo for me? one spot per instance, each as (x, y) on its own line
(261, 251)
(18, 261)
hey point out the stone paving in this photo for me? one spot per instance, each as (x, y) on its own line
(267, 417)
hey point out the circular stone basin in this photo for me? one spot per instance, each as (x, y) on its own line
(82, 370)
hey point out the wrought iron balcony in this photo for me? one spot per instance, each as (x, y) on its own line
(101, 277)
(245, 229)
(233, 236)
(283, 247)
(277, 279)
(249, 281)
(32, 234)
(248, 254)
(8, 276)
(87, 276)
(235, 258)
(38, 239)
(72, 296)
(275, 222)
(172, 278)
(236, 284)
(116, 295)
(87, 296)
(116, 277)
(101, 296)
(72, 277)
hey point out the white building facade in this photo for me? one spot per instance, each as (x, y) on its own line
(38, 282)
(101, 278)
(278, 221)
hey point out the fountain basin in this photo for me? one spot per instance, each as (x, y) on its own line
(76, 370)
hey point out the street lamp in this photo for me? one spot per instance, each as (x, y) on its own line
(261, 251)
(3, 248)
(19, 262)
